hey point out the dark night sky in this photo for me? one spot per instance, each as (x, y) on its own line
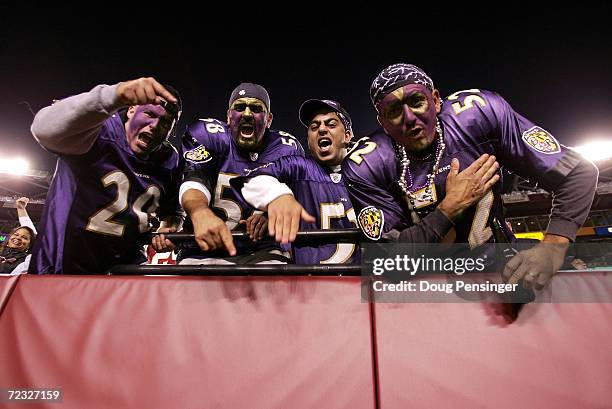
(558, 75)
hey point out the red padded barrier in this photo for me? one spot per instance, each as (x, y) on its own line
(144, 342)
(169, 342)
(443, 355)
(7, 285)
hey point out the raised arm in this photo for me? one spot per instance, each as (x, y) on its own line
(24, 217)
(71, 125)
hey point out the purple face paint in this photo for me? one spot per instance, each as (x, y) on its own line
(248, 120)
(147, 127)
(408, 115)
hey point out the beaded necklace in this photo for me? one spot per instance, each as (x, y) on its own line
(427, 195)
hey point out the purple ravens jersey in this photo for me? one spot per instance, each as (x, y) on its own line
(474, 122)
(323, 194)
(98, 206)
(213, 159)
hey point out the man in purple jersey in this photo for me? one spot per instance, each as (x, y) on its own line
(396, 175)
(317, 184)
(215, 152)
(297, 187)
(115, 171)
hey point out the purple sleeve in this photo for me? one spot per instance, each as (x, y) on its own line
(524, 147)
(201, 153)
(281, 143)
(287, 169)
(534, 153)
(291, 141)
(368, 171)
(300, 149)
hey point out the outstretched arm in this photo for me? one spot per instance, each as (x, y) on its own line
(266, 190)
(71, 125)
(572, 200)
(211, 233)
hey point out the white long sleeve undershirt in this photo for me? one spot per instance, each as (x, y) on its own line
(261, 190)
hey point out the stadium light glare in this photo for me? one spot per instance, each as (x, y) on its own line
(17, 166)
(596, 150)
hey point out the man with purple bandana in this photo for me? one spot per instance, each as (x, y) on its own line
(115, 171)
(295, 187)
(319, 188)
(396, 175)
(215, 152)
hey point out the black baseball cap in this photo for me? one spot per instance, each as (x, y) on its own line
(250, 90)
(309, 107)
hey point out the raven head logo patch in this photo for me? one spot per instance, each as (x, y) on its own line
(371, 220)
(198, 155)
(541, 141)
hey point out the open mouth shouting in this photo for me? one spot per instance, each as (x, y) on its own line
(325, 145)
(247, 130)
(146, 137)
(145, 141)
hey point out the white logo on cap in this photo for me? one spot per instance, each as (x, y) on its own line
(242, 92)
